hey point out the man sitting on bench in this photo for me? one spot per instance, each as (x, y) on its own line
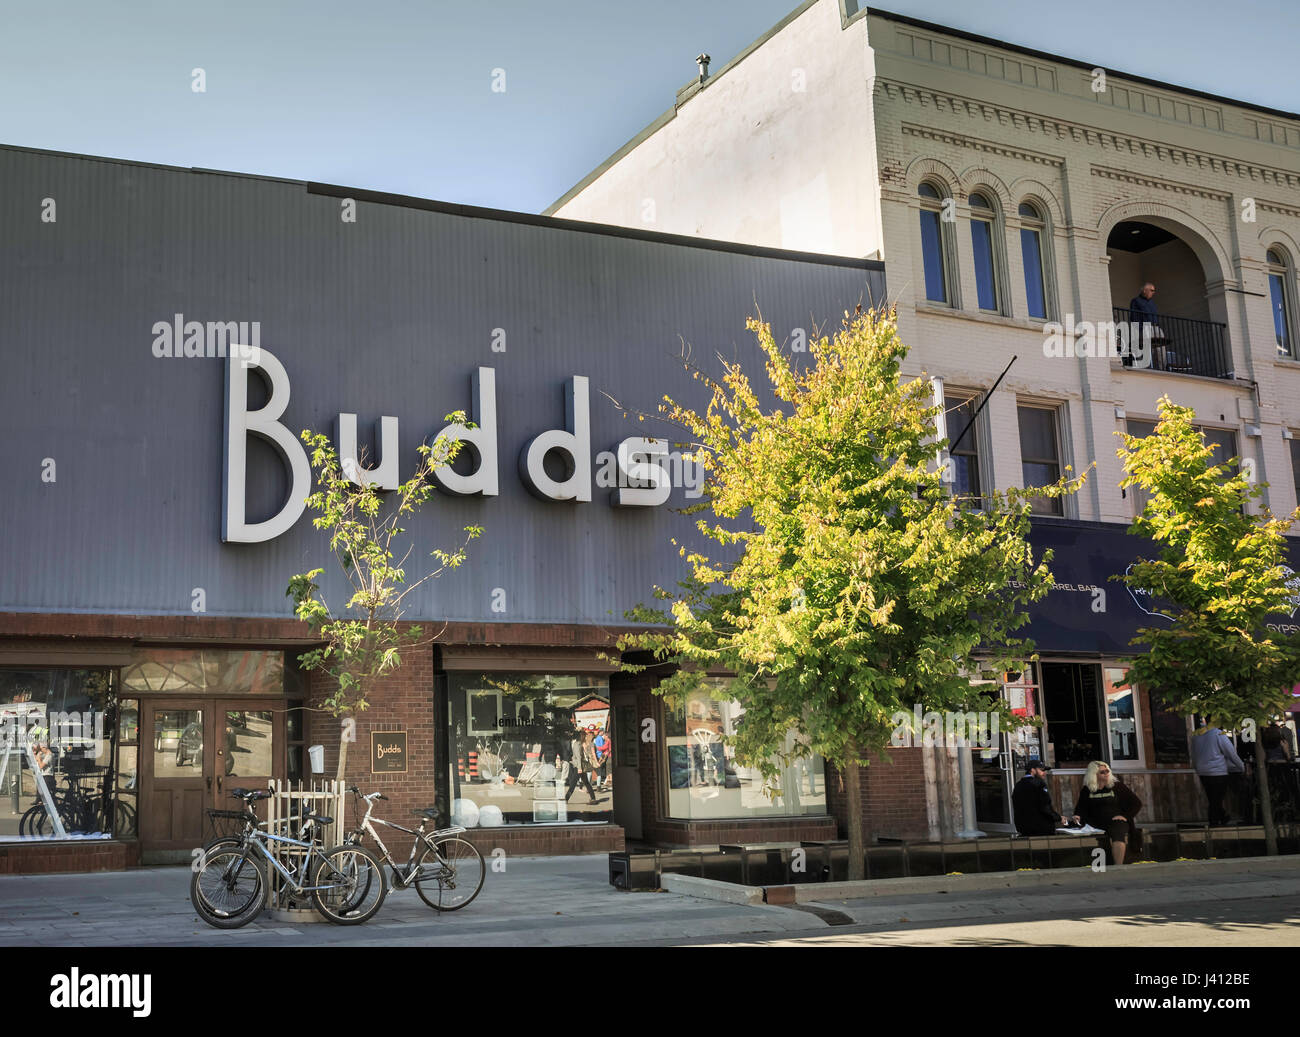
(1032, 803)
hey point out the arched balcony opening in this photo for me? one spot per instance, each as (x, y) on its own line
(1160, 285)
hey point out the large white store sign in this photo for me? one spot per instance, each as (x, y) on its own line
(642, 480)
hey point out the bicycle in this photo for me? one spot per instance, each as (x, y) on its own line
(229, 888)
(79, 812)
(448, 883)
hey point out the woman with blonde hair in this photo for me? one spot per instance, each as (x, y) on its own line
(1107, 803)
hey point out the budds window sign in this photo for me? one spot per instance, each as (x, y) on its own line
(641, 471)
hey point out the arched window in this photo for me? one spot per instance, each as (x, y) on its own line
(1281, 297)
(986, 243)
(936, 244)
(1032, 225)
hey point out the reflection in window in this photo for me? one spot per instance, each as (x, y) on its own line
(249, 743)
(934, 245)
(206, 671)
(1121, 715)
(531, 748)
(704, 779)
(58, 743)
(959, 414)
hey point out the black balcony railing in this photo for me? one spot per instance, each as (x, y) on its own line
(1178, 344)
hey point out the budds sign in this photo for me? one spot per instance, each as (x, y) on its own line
(640, 472)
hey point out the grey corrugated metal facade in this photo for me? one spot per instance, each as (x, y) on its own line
(389, 315)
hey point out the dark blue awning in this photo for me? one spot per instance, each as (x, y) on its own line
(1088, 613)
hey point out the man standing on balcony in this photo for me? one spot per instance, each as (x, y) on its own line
(1143, 306)
(1142, 312)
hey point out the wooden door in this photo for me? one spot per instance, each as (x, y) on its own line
(176, 772)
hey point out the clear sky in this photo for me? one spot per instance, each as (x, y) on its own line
(396, 95)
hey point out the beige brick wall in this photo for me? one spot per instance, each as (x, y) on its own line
(835, 168)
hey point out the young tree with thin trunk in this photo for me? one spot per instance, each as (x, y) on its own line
(364, 641)
(1220, 576)
(846, 584)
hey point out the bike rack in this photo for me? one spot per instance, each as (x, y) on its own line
(282, 809)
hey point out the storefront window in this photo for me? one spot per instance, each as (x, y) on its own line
(704, 780)
(1072, 709)
(1168, 733)
(205, 671)
(530, 749)
(1121, 716)
(58, 738)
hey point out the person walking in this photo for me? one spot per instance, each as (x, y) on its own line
(578, 765)
(1214, 758)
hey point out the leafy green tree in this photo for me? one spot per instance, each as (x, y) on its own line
(1220, 575)
(362, 642)
(845, 584)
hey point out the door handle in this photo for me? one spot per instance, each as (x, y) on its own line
(218, 783)
(209, 784)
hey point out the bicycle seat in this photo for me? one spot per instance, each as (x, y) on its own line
(428, 813)
(318, 818)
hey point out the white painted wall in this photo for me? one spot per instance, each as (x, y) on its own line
(834, 169)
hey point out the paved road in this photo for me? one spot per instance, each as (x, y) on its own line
(567, 901)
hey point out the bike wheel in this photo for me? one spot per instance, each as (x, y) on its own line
(229, 890)
(34, 821)
(355, 885)
(454, 877)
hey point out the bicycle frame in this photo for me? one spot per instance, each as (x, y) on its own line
(405, 875)
(259, 839)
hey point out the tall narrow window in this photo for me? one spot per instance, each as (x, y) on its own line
(963, 447)
(1224, 442)
(1280, 276)
(1040, 454)
(933, 246)
(1294, 443)
(1032, 225)
(1141, 429)
(984, 243)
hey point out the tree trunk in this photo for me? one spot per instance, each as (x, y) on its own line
(853, 800)
(341, 775)
(1265, 801)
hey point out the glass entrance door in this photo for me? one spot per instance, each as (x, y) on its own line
(176, 773)
(997, 769)
(192, 753)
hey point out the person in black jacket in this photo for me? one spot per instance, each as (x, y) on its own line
(1107, 803)
(1032, 803)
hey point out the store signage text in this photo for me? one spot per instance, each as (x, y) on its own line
(640, 479)
(388, 752)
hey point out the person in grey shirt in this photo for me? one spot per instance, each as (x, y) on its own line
(1214, 759)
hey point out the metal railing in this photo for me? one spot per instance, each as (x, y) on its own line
(1178, 344)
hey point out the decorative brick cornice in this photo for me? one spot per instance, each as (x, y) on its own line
(1142, 180)
(961, 140)
(1055, 129)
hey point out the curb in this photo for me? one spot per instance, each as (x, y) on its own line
(712, 889)
(824, 892)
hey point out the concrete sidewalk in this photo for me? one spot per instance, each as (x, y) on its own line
(536, 901)
(567, 901)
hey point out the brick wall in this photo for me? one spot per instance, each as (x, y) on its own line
(893, 797)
